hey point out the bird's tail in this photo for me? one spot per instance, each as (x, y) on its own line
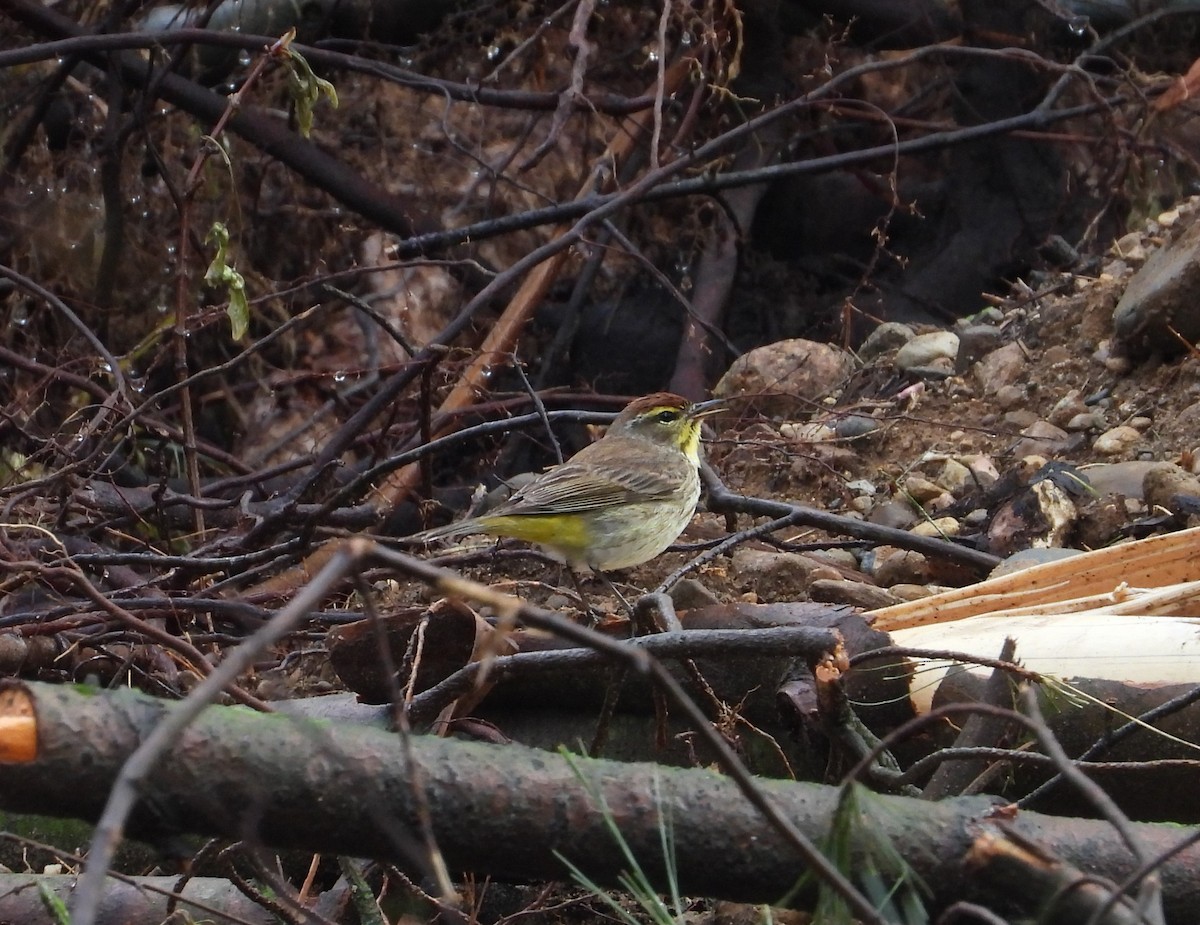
(449, 531)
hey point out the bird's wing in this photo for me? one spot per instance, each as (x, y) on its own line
(577, 485)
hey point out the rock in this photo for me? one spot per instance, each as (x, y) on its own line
(861, 487)
(900, 566)
(925, 350)
(1130, 247)
(853, 426)
(954, 477)
(913, 592)
(774, 576)
(1117, 441)
(1003, 366)
(894, 513)
(936, 369)
(1011, 396)
(977, 518)
(975, 342)
(1169, 487)
(862, 504)
(922, 490)
(1042, 515)
(889, 336)
(1122, 478)
(1021, 417)
(855, 593)
(983, 470)
(842, 559)
(1069, 406)
(1041, 438)
(784, 378)
(690, 594)
(939, 527)
(1118, 365)
(1159, 306)
(1100, 521)
(1027, 558)
(1056, 355)
(1088, 420)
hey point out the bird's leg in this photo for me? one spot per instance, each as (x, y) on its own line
(613, 588)
(593, 616)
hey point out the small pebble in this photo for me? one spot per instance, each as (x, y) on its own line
(1117, 441)
(1066, 408)
(1003, 366)
(1086, 420)
(1027, 558)
(954, 477)
(889, 336)
(900, 566)
(925, 350)
(855, 593)
(836, 558)
(855, 425)
(922, 490)
(912, 592)
(894, 513)
(940, 527)
(1010, 396)
(773, 576)
(1168, 487)
(983, 470)
(1042, 438)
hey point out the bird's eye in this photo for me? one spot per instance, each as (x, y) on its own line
(666, 417)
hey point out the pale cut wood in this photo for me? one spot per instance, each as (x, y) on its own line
(1150, 563)
(1135, 649)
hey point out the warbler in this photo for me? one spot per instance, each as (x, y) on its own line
(616, 503)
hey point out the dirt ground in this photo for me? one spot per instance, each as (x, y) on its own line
(1066, 371)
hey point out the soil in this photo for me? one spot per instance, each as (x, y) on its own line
(1067, 361)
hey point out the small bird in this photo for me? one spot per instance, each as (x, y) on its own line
(616, 503)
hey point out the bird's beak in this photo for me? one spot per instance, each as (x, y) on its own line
(704, 408)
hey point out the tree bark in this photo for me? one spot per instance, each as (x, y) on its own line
(504, 812)
(140, 901)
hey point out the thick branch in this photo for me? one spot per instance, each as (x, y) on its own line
(503, 811)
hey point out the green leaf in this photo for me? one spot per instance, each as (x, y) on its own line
(220, 273)
(306, 88)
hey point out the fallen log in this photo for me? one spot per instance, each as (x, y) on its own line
(135, 901)
(505, 812)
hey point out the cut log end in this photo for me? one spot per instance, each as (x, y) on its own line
(18, 726)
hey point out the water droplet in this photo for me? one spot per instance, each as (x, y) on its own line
(493, 52)
(339, 376)
(1078, 25)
